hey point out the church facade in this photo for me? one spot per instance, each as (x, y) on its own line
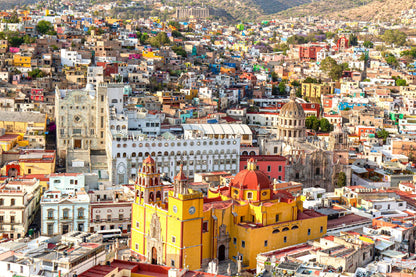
(181, 228)
(313, 161)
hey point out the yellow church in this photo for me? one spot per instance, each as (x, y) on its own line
(180, 227)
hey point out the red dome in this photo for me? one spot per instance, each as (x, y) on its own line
(149, 160)
(251, 180)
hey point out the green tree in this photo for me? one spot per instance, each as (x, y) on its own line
(396, 37)
(332, 68)
(15, 41)
(311, 122)
(175, 24)
(282, 88)
(179, 51)
(353, 40)
(36, 73)
(368, 44)
(383, 134)
(391, 59)
(310, 80)
(159, 40)
(401, 82)
(325, 125)
(341, 180)
(274, 76)
(43, 26)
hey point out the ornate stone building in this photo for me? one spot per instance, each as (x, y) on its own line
(310, 160)
(291, 120)
(82, 126)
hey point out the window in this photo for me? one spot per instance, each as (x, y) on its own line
(173, 239)
(172, 263)
(12, 201)
(309, 232)
(80, 213)
(205, 226)
(277, 218)
(137, 224)
(321, 229)
(234, 241)
(65, 214)
(284, 239)
(265, 243)
(243, 244)
(12, 219)
(1, 202)
(241, 218)
(1, 218)
(137, 246)
(285, 229)
(269, 168)
(50, 214)
(249, 195)
(280, 168)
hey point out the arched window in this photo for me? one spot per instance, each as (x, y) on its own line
(124, 155)
(276, 231)
(285, 229)
(295, 227)
(151, 196)
(133, 154)
(158, 195)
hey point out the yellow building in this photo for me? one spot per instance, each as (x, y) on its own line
(19, 122)
(22, 61)
(150, 55)
(181, 228)
(314, 91)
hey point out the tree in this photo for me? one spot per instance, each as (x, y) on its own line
(341, 180)
(401, 82)
(353, 40)
(175, 24)
(368, 44)
(43, 27)
(396, 37)
(282, 88)
(325, 125)
(274, 76)
(36, 73)
(383, 134)
(311, 122)
(310, 80)
(179, 51)
(332, 68)
(391, 59)
(159, 40)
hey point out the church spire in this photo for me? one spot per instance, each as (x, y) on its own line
(181, 182)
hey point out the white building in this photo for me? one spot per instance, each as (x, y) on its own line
(19, 202)
(62, 213)
(95, 75)
(72, 58)
(197, 155)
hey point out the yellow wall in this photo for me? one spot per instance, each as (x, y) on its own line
(252, 223)
(21, 61)
(316, 90)
(19, 127)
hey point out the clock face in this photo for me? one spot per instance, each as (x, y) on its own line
(175, 209)
(192, 210)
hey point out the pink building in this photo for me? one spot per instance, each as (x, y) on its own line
(272, 165)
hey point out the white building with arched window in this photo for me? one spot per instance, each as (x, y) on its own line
(203, 149)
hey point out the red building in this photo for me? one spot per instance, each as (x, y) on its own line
(309, 52)
(364, 131)
(272, 165)
(37, 95)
